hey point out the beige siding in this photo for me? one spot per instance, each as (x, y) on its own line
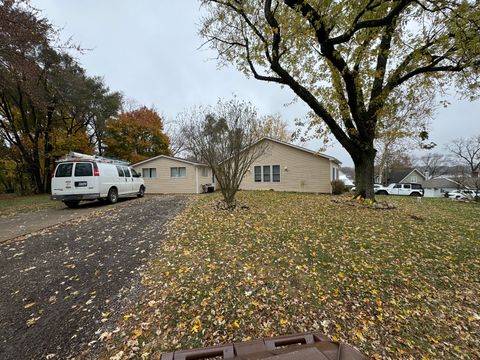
(203, 180)
(163, 183)
(299, 170)
(414, 177)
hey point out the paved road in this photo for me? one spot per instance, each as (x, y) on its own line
(60, 287)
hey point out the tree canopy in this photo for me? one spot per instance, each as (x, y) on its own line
(346, 60)
(136, 135)
(48, 104)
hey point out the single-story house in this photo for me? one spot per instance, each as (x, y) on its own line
(407, 175)
(287, 167)
(167, 174)
(437, 187)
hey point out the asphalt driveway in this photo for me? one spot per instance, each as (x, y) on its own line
(61, 287)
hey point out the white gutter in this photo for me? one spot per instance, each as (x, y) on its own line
(196, 180)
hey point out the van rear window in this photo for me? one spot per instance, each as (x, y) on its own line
(64, 170)
(83, 169)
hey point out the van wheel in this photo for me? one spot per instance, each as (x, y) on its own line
(72, 204)
(141, 192)
(415, 194)
(112, 196)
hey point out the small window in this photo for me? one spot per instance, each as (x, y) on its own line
(149, 173)
(120, 171)
(204, 172)
(414, 179)
(178, 172)
(406, 186)
(83, 169)
(266, 173)
(398, 186)
(126, 171)
(416, 186)
(258, 173)
(64, 170)
(276, 173)
(134, 173)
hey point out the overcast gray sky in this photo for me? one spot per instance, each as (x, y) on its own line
(149, 50)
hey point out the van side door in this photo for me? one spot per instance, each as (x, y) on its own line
(122, 182)
(128, 179)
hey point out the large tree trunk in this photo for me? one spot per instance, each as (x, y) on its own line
(364, 173)
(37, 178)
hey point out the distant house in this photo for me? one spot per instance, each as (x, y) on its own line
(346, 180)
(166, 174)
(287, 167)
(438, 187)
(408, 175)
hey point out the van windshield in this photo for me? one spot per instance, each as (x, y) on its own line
(64, 170)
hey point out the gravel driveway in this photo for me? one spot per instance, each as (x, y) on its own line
(61, 287)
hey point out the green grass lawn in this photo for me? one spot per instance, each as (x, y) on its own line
(13, 204)
(401, 283)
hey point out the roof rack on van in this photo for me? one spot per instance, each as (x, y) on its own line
(75, 156)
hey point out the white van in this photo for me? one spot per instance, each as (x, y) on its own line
(83, 177)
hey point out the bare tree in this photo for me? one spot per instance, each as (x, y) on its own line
(468, 152)
(432, 164)
(224, 137)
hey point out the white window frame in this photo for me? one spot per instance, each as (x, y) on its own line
(151, 174)
(270, 173)
(255, 173)
(414, 178)
(204, 172)
(178, 175)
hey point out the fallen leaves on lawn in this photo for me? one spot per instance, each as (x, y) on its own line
(382, 281)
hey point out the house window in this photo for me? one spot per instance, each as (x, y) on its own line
(178, 172)
(149, 173)
(266, 173)
(334, 174)
(204, 172)
(276, 173)
(414, 179)
(258, 173)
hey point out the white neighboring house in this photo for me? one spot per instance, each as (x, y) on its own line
(439, 186)
(348, 183)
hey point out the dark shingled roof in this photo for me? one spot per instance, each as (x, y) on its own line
(440, 182)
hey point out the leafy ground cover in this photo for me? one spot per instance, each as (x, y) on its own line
(397, 283)
(12, 204)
